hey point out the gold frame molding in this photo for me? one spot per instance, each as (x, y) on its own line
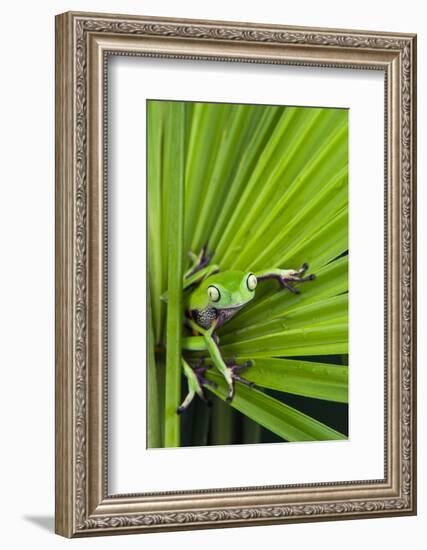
(83, 43)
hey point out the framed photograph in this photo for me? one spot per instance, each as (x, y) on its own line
(235, 274)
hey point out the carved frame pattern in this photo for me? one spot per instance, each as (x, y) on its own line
(83, 506)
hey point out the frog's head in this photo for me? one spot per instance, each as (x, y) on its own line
(230, 289)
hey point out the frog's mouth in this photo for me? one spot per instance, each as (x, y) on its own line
(227, 312)
(234, 306)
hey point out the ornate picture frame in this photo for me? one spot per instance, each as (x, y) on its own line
(84, 42)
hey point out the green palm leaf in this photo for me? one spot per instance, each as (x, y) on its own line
(321, 312)
(278, 417)
(318, 340)
(318, 380)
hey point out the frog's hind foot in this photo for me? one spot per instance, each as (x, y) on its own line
(190, 396)
(234, 370)
(196, 381)
(200, 368)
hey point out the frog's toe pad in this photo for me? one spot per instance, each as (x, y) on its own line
(230, 396)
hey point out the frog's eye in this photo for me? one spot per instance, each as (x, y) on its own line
(251, 282)
(213, 293)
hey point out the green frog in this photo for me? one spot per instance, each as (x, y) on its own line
(214, 298)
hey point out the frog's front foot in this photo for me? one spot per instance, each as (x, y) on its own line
(199, 261)
(295, 275)
(234, 369)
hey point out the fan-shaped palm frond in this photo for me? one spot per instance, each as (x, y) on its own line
(263, 187)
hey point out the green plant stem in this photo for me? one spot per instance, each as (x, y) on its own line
(154, 212)
(174, 179)
(154, 439)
